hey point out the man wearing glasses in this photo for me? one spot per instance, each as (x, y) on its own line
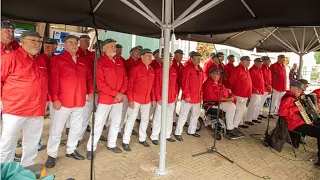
(70, 78)
(24, 85)
(192, 79)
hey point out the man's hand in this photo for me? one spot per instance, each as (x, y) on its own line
(256, 92)
(187, 100)
(119, 96)
(160, 102)
(57, 105)
(115, 100)
(153, 103)
(300, 108)
(90, 97)
(131, 105)
(231, 98)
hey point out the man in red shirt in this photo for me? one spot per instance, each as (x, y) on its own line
(192, 80)
(133, 59)
(119, 52)
(140, 94)
(257, 92)
(213, 62)
(70, 81)
(172, 98)
(112, 84)
(177, 64)
(241, 86)
(279, 84)
(267, 82)
(8, 43)
(24, 85)
(211, 93)
(291, 112)
(228, 68)
(157, 61)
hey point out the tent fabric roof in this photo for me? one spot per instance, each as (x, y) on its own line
(228, 16)
(263, 40)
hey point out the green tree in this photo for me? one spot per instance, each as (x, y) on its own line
(317, 57)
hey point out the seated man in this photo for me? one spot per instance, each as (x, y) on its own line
(295, 123)
(211, 92)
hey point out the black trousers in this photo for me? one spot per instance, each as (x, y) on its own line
(312, 131)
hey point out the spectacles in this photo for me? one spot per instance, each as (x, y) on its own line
(34, 41)
(72, 43)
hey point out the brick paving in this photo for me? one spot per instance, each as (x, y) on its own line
(140, 163)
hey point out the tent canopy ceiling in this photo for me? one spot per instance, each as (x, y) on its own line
(227, 16)
(265, 39)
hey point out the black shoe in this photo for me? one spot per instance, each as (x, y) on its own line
(262, 116)
(178, 137)
(115, 149)
(234, 134)
(194, 135)
(104, 127)
(51, 162)
(119, 135)
(250, 123)
(88, 128)
(171, 140)
(78, 144)
(102, 138)
(89, 153)
(256, 121)
(174, 124)
(67, 131)
(144, 143)
(239, 132)
(271, 116)
(259, 118)
(134, 132)
(317, 164)
(126, 147)
(243, 126)
(155, 142)
(177, 115)
(138, 120)
(17, 157)
(75, 155)
(19, 144)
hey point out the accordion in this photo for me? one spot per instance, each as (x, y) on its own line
(308, 103)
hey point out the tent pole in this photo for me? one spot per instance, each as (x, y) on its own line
(300, 65)
(186, 12)
(284, 43)
(97, 6)
(265, 38)
(161, 170)
(295, 39)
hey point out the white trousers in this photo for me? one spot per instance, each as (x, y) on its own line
(240, 110)
(57, 124)
(263, 100)
(87, 112)
(230, 109)
(254, 107)
(276, 98)
(125, 105)
(132, 115)
(32, 130)
(102, 113)
(156, 123)
(184, 111)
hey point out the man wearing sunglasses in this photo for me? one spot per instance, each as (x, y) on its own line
(24, 85)
(70, 81)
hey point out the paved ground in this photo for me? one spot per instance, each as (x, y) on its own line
(248, 153)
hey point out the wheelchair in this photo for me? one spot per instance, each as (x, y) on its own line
(211, 120)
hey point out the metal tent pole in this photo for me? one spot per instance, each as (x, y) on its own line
(300, 65)
(161, 170)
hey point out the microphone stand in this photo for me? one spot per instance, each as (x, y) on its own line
(214, 148)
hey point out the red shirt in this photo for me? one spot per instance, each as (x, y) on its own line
(228, 68)
(240, 82)
(129, 63)
(24, 84)
(192, 80)
(111, 79)
(179, 69)
(290, 111)
(206, 67)
(257, 79)
(121, 58)
(317, 92)
(155, 64)
(140, 84)
(266, 76)
(12, 46)
(280, 79)
(211, 91)
(187, 62)
(173, 86)
(70, 81)
(47, 60)
(89, 55)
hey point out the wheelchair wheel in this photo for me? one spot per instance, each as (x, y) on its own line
(200, 124)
